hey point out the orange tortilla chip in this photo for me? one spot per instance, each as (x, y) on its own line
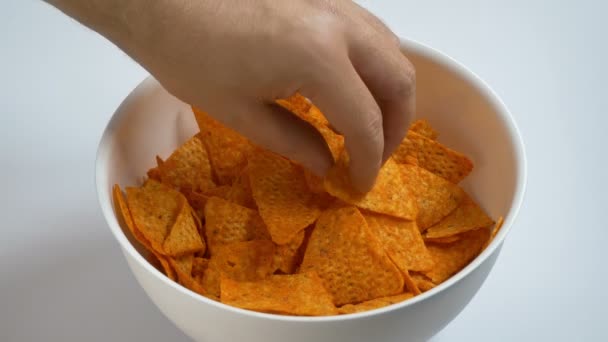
(435, 157)
(154, 208)
(389, 195)
(402, 242)
(286, 256)
(227, 222)
(282, 196)
(184, 236)
(435, 196)
(296, 294)
(241, 261)
(183, 267)
(304, 109)
(467, 216)
(199, 266)
(410, 284)
(227, 149)
(423, 283)
(447, 239)
(349, 259)
(188, 167)
(495, 230)
(124, 217)
(240, 192)
(423, 127)
(451, 258)
(374, 304)
(154, 173)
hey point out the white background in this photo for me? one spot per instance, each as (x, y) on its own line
(63, 278)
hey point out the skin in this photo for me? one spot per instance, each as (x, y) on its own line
(234, 58)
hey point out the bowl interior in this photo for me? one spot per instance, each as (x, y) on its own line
(468, 116)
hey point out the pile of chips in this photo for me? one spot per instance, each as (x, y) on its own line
(252, 229)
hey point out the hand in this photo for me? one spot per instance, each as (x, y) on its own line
(234, 58)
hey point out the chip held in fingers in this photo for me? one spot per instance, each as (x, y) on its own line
(244, 226)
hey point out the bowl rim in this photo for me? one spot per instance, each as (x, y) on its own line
(407, 45)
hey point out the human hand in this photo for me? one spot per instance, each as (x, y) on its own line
(235, 58)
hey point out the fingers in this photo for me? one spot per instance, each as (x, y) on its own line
(391, 79)
(351, 109)
(272, 127)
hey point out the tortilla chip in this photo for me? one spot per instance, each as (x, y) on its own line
(435, 196)
(423, 127)
(227, 149)
(154, 208)
(240, 192)
(241, 261)
(390, 195)
(451, 258)
(188, 167)
(435, 157)
(286, 256)
(467, 216)
(374, 304)
(154, 173)
(296, 294)
(199, 266)
(401, 240)
(282, 196)
(410, 285)
(495, 231)
(423, 283)
(304, 109)
(124, 217)
(349, 259)
(447, 239)
(227, 222)
(184, 236)
(183, 267)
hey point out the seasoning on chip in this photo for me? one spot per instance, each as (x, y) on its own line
(252, 229)
(295, 294)
(349, 259)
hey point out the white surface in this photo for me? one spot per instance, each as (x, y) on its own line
(62, 277)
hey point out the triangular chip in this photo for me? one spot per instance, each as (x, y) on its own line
(374, 303)
(433, 156)
(451, 258)
(304, 109)
(295, 294)
(241, 261)
(447, 239)
(154, 208)
(154, 173)
(227, 222)
(227, 149)
(184, 236)
(199, 266)
(188, 167)
(423, 283)
(410, 285)
(349, 259)
(402, 242)
(389, 195)
(125, 219)
(240, 192)
(183, 267)
(467, 216)
(286, 256)
(423, 127)
(435, 196)
(279, 188)
(495, 231)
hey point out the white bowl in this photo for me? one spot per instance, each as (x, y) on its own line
(470, 118)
